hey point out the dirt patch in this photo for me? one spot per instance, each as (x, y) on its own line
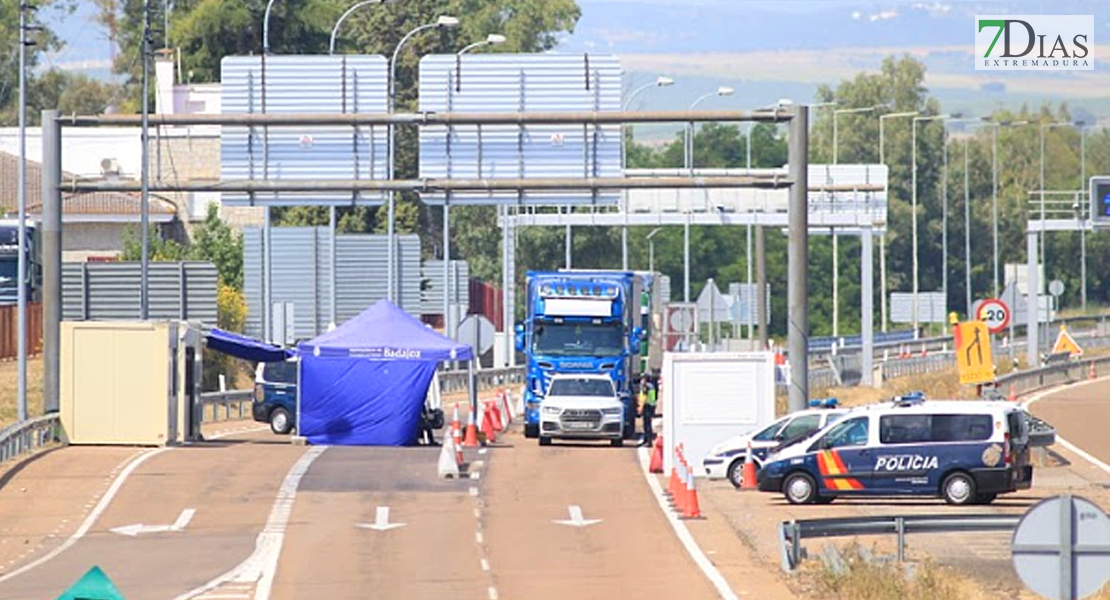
(9, 382)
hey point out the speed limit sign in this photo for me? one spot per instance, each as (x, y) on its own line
(994, 313)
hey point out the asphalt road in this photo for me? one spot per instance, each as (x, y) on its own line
(1080, 415)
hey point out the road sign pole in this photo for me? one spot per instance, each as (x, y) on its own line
(1032, 347)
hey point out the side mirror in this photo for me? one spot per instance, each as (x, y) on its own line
(518, 338)
(638, 334)
(519, 328)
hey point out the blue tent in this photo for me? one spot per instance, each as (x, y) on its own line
(244, 347)
(364, 382)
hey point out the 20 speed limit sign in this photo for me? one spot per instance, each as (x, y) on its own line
(995, 314)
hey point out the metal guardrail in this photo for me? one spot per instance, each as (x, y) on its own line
(231, 402)
(1030, 380)
(451, 382)
(791, 533)
(29, 435)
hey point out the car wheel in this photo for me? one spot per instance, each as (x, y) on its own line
(799, 488)
(824, 499)
(736, 473)
(985, 498)
(959, 489)
(280, 423)
(531, 430)
(616, 443)
(544, 440)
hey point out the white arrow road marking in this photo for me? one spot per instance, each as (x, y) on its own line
(138, 528)
(381, 521)
(576, 518)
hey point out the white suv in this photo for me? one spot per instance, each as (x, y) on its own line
(581, 406)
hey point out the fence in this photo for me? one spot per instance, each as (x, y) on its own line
(451, 382)
(230, 404)
(28, 436)
(791, 533)
(9, 330)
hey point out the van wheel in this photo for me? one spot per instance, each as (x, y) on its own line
(985, 498)
(959, 489)
(736, 473)
(280, 423)
(824, 499)
(799, 488)
(531, 430)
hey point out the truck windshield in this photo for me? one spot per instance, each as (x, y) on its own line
(578, 339)
(8, 273)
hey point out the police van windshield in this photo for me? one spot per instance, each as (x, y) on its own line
(849, 433)
(581, 387)
(578, 339)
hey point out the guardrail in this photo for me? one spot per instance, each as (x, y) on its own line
(1030, 380)
(791, 533)
(29, 435)
(226, 400)
(451, 382)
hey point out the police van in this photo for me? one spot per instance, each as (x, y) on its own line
(966, 452)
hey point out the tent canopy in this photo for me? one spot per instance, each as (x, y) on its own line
(385, 332)
(364, 383)
(241, 346)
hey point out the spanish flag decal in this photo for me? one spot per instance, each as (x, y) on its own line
(834, 473)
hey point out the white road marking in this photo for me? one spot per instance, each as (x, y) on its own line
(261, 565)
(485, 565)
(381, 521)
(492, 593)
(683, 533)
(1070, 446)
(478, 537)
(87, 524)
(473, 491)
(483, 451)
(577, 519)
(138, 528)
(477, 513)
(474, 475)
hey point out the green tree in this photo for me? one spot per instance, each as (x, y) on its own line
(221, 245)
(43, 40)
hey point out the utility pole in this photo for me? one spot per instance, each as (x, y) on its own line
(21, 269)
(144, 226)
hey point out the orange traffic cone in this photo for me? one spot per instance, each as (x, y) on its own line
(1091, 372)
(471, 439)
(506, 409)
(456, 436)
(1013, 394)
(487, 427)
(656, 465)
(680, 493)
(672, 484)
(494, 407)
(691, 510)
(455, 425)
(749, 471)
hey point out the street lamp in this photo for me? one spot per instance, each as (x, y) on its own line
(493, 39)
(442, 22)
(724, 90)
(343, 17)
(882, 238)
(835, 237)
(651, 248)
(661, 81)
(967, 219)
(913, 138)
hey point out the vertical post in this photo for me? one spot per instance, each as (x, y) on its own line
(994, 204)
(836, 283)
(21, 256)
(748, 264)
(1032, 347)
(967, 233)
(568, 243)
(944, 218)
(913, 138)
(867, 291)
(447, 265)
(686, 259)
(51, 258)
(1083, 221)
(144, 218)
(508, 272)
(1067, 543)
(761, 284)
(797, 258)
(267, 280)
(900, 524)
(472, 385)
(882, 279)
(332, 262)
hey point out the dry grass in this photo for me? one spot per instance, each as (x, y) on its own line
(8, 389)
(861, 579)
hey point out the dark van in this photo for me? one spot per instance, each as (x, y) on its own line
(275, 395)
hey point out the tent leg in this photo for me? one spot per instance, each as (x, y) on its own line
(473, 387)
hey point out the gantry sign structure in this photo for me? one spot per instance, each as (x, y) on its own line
(269, 184)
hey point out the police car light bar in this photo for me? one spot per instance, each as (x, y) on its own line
(824, 403)
(909, 399)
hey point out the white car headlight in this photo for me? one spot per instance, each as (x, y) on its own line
(612, 411)
(551, 410)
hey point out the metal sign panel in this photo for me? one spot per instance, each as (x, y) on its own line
(509, 83)
(304, 84)
(745, 303)
(1061, 548)
(930, 307)
(867, 207)
(109, 291)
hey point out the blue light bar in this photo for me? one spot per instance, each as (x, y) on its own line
(824, 403)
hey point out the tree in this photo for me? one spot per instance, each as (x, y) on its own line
(214, 241)
(43, 40)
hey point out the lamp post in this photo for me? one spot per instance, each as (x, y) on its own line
(1044, 267)
(882, 238)
(916, 300)
(689, 147)
(661, 81)
(651, 248)
(343, 17)
(835, 237)
(21, 207)
(967, 219)
(442, 22)
(493, 39)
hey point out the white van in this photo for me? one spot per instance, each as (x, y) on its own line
(966, 452)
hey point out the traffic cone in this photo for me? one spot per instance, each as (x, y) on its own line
(1013, 394)
(680, 493)
(672, 483)
(471, 439)
(691, 510)
(749, 471)
(494, 407)
(455, 425)
(456, 437)
(487, 427)
(448, 466)
(656, 465)
(506, 409)
(1091, 372)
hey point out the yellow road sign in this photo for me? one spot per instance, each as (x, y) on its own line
(974, 363)
(1066, 343)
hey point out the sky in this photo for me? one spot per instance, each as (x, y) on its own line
(773, 50)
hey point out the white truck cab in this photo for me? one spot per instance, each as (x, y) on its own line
(581, 406)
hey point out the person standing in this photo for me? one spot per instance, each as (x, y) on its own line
(647, 409)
